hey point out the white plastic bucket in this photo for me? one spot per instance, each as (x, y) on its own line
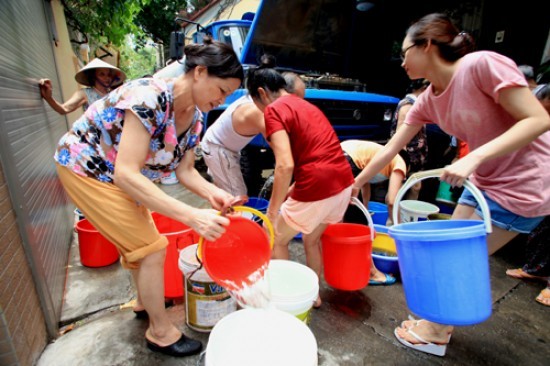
(205, 301)
(412, 210)
(267, 337)
(294, 287)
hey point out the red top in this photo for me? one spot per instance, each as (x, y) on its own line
(320, 168)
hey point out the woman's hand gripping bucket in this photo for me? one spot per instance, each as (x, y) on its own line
(347, 252)
(238, 259)
(444, 264)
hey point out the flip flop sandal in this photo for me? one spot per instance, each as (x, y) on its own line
(522, 275)
(388, 280)
(412, 322)
(424, 346)
(544, 295)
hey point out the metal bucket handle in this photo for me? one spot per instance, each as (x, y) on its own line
(355, 201)
(436, 173)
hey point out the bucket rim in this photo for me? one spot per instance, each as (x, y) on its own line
(471, 228)
(305, 296)
(432, 208)
(385, 257)
(381, 229)
(153, 214)
(377, 206)
(79, 227)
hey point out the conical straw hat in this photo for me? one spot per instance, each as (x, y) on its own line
(82, 78)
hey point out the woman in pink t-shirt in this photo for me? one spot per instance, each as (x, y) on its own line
(481, 98)
(306, 149)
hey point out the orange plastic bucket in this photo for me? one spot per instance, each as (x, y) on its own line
(95, 249)
(242, 251)
(179, 237)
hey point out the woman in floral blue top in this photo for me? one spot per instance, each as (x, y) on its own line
(144, 130)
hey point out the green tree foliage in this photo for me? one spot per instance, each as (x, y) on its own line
(157, 19)
(137, 62)
(105, 21)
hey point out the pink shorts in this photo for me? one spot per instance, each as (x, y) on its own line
(306, 216)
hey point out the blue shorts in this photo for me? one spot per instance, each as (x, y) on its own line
(501, 217)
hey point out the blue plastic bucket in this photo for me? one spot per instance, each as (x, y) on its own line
(444, 264)
(256, 203)
(379, 212)
(444, 268)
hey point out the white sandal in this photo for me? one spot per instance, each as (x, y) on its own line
(424, 346)
(414, 323)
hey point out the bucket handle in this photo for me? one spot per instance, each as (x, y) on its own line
(436, 173)
(356, 202)
(252, 211)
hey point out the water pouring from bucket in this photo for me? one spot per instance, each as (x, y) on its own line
(438, 259)
(239, 258)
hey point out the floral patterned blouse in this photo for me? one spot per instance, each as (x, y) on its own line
(90, 147)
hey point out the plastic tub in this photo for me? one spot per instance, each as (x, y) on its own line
(179, 237)
(438, 261)
(294, 287)
(256, 203)
(379, 212)
(384, 252)
(267, 337)
(347, 253)
(347, 256)
(95, 249)
(412, 210)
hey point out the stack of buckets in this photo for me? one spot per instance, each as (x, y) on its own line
(439, 259)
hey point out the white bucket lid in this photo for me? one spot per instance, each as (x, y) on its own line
(267, 337)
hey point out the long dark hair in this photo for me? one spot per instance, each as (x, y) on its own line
(219, 58)
(440, 30)
(264, 76)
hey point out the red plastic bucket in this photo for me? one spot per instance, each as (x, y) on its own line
(347, 255)
(95, 249)
(241, 251)
(179, 237)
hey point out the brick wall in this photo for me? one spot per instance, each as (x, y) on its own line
(23, 334)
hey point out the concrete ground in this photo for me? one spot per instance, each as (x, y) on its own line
(351, 328)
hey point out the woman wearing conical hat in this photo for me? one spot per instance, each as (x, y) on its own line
(98, 76)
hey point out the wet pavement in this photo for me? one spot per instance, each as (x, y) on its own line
(351, 328)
